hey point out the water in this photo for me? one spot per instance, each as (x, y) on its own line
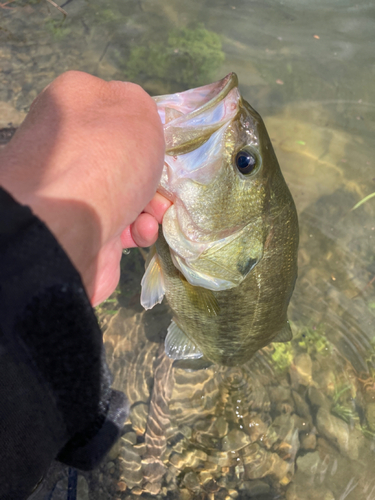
(297, 422)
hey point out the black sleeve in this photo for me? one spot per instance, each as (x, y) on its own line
(55, 395)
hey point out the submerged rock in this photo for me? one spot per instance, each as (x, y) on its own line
(308, 441)
(309, 464)
(338, 432)
(255, 488)
(255, 427)
(152, 488)
(301, 492)
(370, 415)
(191, 458)
(259, 463)
(235, 440)
(318, 399)
(138, 418)
(302, 408)
(130, 467)
(301, 370)
(191, 482)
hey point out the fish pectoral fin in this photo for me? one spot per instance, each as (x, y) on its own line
(285, 335)
(152, 283)
(179, 346)
(202, 298)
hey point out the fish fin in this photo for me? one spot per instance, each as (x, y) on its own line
(148, 255)
(285, 335)
(179, 346)
(152, 283)
(199, 279)
(202, 298)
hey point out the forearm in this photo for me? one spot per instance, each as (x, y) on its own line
(56, 398)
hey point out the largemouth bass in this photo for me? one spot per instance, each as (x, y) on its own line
(226, 256)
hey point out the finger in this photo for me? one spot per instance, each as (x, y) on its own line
(108, 272)
(127, 240)
(143, 232)
(158, 206)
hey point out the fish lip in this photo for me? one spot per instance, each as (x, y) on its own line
(222, 87)
(194, 102)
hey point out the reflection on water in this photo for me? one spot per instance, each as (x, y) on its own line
(297, 422)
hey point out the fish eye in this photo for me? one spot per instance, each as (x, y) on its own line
(246, 160)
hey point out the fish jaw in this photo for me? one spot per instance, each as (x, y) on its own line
(191, 102)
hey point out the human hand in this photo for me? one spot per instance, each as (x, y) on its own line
(87, 160)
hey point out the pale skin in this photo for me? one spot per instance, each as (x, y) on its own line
(87, 160)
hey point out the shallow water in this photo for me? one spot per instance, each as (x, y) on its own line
(297, 422)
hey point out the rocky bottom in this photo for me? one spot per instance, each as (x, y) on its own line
(296, 423)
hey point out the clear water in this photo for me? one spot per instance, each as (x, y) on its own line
(297, 422)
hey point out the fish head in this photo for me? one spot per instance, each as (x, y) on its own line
(222, 177)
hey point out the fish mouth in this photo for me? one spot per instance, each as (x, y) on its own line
(194, 101)
(191, 117)
(194, 122)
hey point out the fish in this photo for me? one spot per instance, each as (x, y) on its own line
(226, 253)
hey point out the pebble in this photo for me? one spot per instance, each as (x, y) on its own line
(302, 408)
(82, 488)
(138, 418)
(140, 448)
(10, 115)
(152, 488)
(153, 470)
(191, 458)
(279, 394)
(191, 482)
(338, 432)
(310, 463)
(317, 398)
(221, 426)
(60, 489)
(301, 370)
(130, 467)
(326, 381)
(308, 441)
(255, 427)
(186, 431)
(121, 486)
(300, 492)
(115, 450)
(235, 440)
(23, 57)
(221, 458)
(262, 463)
(284, 426)
(204, 477)
(184, 494)
(302, 424)
(255, 488)
(137, 491)
(129, 437)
